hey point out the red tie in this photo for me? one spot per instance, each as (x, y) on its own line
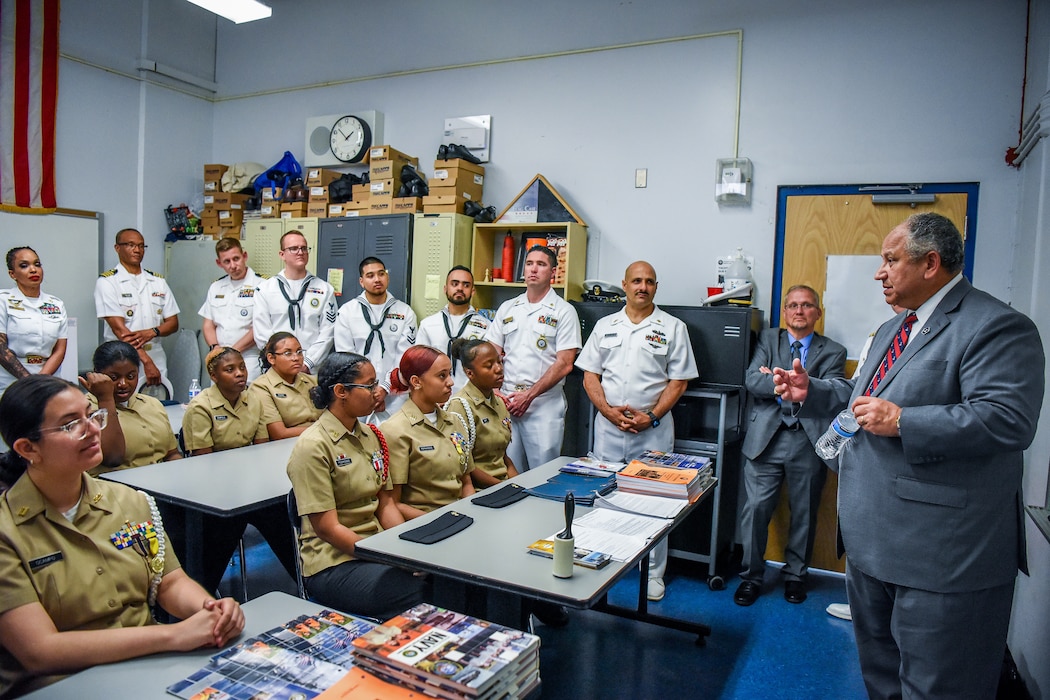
(896, 348)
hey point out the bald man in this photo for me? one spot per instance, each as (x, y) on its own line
(636, 365)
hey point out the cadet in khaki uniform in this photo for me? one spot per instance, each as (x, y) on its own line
(141, 433)
(430, 459)
(84, 555)
(222, 417)
(484, 413)
(339, 470)
(284, 390)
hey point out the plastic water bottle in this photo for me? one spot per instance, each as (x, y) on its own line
(737, 274)
(195, 388)
(838, 434)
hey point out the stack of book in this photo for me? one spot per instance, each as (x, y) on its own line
(639, 477)
(449, 655)
(675, 460)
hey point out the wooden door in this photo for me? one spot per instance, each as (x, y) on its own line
(814, 227)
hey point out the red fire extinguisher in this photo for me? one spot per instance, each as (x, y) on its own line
(508, 258)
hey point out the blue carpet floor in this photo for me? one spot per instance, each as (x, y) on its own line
(768, 651)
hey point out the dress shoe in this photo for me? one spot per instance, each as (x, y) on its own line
(655, 590)
(841, 611)
(794, 591)
(471, 208)
(485, 216)
(550, 614)
(442, 152)
(747, 593)
(454, 150)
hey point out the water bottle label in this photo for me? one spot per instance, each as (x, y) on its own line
(842, 431)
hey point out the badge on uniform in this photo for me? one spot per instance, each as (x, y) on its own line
(40, 562)
(244, 312)
(426, 448)
(281, 396)
(380, 466)
(221, 417)
(541, 342)
(143, 539)
(342, 461)
(130, 312)
(315, 303)
(393, 327)
(460, 442)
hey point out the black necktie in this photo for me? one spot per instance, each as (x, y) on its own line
(294, 307)
(377, 328)
(448, 332)
(788, 408)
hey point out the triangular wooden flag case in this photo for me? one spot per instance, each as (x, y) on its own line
(539, 202)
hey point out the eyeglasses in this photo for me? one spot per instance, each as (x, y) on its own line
(134, 246)
(289, 354)
(297, 249)
(78, 428)
(805, 306)
(370, 387)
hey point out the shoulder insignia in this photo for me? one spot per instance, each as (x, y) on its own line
(265, 277)
(222, 278)
(109, 273)
(154, 274)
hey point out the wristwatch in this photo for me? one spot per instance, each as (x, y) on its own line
(654, 421)
(156, 332)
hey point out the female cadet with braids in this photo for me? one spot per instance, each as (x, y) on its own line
(339, 469)
(139, 431)
(484, 413)
(430, 460)
(83, 560)
(32, 323)
(284, 389)
(222, 417)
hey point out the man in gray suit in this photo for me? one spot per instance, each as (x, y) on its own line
(930, 488)
(779, 447)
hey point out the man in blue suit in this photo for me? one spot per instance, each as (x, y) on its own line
(779, 447)
(929, 496)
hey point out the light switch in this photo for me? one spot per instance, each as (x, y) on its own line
(641, 176)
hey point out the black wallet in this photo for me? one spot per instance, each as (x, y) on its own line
(503, 496)
(445, 526)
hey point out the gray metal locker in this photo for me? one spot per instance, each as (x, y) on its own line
(343, 242)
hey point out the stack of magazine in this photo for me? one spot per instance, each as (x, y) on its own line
(667, 474)
(446, 654)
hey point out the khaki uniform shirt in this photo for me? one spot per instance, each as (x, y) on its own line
(425, 458)
(492, 428)
(73, 569)
(285, 403)
(147, 432)
(211, 421)
(332, 468)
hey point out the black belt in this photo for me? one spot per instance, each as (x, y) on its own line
(797, 426)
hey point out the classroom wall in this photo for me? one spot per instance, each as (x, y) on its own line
(832, 92)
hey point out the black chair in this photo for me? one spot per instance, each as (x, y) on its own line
(297, 526)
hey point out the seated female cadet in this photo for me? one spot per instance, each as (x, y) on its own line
(484, 413)
(222, 417)
(79, 593)
(283, 389)
(339, 469)
(430, 462)
(141, 433)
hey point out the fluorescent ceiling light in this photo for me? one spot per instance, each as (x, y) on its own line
(237, 11)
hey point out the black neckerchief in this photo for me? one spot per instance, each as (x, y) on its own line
(377, 328)
(294, 307)
(448, 331)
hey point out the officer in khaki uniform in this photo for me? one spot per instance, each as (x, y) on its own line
(285, 403)
(148, 437)
(492, 428)
(101, 586)
(210, 421)
(427, 459)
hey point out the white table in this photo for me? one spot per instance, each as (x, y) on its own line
(149, 676)
(227, 483)
(491, 554)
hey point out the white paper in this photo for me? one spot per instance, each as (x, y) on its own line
(656, 506)
(853, 301)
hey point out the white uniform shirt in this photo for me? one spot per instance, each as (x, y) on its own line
(142, 300)
(531, 336)
(318, 313)
(636, 361)
(33, 326)
(229, 306)
(434, 331)
(398, 332)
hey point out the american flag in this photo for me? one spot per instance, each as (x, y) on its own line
(28, 100)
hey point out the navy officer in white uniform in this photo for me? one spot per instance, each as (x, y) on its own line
(138, 307)
(295, 301)
(457, 320)
(636, 365)
(227, 310)
(539, 332)
(379, 326)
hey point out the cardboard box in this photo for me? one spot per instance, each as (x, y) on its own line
(407, 204)
(318, 209)
(443, 204)
(213, 172)
(464, 190)
(318, 195)
(458, 164)
(293, 209)
(389, 153)
(226, 200)
(320, 177)
(212, 186)
(271, 194)
(380, 205)
(360, 205)
(270, 211)
(210, 217)
(364, 190)
(381, 188)
(231, 218)
(214, 231)
(391, 168)
(335, 210)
